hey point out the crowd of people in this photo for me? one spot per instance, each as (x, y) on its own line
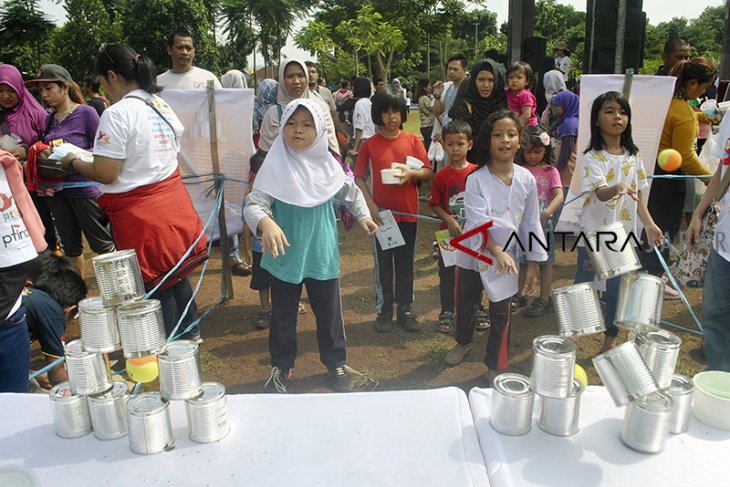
(486, 153)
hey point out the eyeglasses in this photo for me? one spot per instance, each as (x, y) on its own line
(103, 47)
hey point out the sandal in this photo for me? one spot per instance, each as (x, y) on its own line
(301, 309)
(456, 355)
(539, 307)
(263, 320)
(446, 322)
(482, 321)
(240, 268)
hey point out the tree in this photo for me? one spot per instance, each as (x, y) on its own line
(705, 32)
(373, 35)
(24, 35)
(76, 44)
(147, 23)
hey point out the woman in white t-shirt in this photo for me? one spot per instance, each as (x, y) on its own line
(135, 158)
(715, 303)
(362, 119)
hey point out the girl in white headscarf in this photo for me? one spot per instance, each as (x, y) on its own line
(294, 84)
(234, 79)
(554, 83)
(291, 208)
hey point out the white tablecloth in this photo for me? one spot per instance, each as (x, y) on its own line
(405, 438)
(595, 455)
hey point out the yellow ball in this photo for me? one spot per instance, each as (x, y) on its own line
(143, 369)
(670, 160)
(580, 375)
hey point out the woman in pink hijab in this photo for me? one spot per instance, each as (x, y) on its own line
(23, 116)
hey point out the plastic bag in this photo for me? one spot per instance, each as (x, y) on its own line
(711, 162)
(436, 152)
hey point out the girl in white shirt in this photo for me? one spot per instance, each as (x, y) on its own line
(504, 195)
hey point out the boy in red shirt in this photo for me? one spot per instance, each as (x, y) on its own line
(447, 201)
(390, 145)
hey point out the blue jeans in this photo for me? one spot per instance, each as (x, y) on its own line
(14, 353)
(585, 273)
(715, 312)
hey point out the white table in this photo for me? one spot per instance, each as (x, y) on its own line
(595, 455)
(406, 438)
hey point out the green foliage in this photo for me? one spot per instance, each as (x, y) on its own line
(24, 35)
(76, 44)
(147, 23)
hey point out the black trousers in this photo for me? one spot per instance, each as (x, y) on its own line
(447, 285)
(324, 298)
(468, 296)
(173, 301)
(400, 260)
(666, 205)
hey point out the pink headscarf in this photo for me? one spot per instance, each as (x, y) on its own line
(28, 119)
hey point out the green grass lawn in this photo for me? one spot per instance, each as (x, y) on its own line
(413, 124)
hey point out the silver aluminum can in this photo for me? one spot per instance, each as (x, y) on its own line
(109, 412)
(71, 417)
(141, 328)
(119, 277)
(512, 404)
(180, 370)
(553, 366)
(88, 372)
(640, 302)
(624, 373)
(560, 416)
(150, 429)
(680, 391)
(578, 310)
(99, 331)
(646, 423)
(660, 351)
(207, 414)
(611, 252)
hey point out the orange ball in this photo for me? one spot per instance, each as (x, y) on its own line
(670, 160)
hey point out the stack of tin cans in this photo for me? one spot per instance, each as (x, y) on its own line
(551, 381)
(119, 319)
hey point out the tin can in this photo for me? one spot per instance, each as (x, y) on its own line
(624, 373)
(640, 302)
(70, 412)
(680, 391)
(99, 331)
(141, 328)
(119, 277)
(560, 416)
(109, 412)
(646, 423)
(207, 414)
(578, 310)
(553, 366)
(150, 429)
(180, 370)
(611, 252)
(660, 351)
(88, 372)
(512, 404)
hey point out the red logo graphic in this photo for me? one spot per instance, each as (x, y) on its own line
(483, 229)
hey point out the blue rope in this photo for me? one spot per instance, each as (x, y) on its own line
(47, 368)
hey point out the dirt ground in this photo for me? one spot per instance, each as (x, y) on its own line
(235, 353)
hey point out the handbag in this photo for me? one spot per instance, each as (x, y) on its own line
(690, 266)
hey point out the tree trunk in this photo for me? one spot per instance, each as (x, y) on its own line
(381, 67)
(725, 64)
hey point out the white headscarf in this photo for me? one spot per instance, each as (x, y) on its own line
(234, 79)
(554, 83)
(302, 178)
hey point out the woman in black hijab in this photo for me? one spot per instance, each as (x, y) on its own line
(480, 96)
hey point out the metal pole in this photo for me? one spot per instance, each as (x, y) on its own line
(618, 65)
(476, 39)
(226, 277)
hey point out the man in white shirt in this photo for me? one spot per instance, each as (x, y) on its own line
(561, 53)
(323, 93)
(183, 75)
(444, 95)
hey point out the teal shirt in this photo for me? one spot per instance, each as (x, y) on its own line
(312, 235)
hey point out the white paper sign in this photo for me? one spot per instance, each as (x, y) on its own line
(389, 235)
(447, 252)
(234, 112)
(649, 100)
